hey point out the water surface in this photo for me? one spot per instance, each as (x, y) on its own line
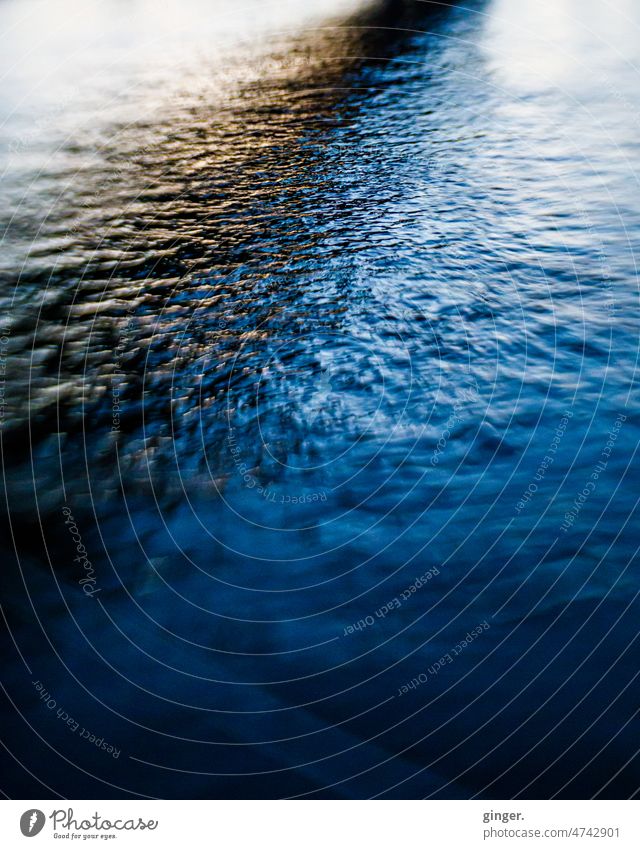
(300, 309)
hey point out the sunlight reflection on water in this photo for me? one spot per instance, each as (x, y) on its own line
(299, 319)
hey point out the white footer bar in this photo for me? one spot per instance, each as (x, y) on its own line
(321, 824)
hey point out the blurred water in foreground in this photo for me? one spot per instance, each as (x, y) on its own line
(319, 357)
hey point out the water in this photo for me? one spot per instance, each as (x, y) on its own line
(321, 339)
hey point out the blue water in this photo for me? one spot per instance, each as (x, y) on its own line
(325, 349)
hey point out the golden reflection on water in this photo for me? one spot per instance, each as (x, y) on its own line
(174, 253)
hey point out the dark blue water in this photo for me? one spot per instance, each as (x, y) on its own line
(320, 375)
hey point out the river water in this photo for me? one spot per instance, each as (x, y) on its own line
(319, 398)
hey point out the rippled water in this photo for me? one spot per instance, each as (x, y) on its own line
(298, 308)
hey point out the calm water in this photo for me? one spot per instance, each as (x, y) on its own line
(300, 308)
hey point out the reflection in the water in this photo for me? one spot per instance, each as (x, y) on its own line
(292, 340)
(170, 270)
